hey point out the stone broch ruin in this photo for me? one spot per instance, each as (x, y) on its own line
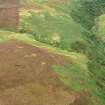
(9, 13)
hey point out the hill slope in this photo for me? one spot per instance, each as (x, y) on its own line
(26, 78)
(22, 64)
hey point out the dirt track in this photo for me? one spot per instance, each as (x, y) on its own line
(26, 77)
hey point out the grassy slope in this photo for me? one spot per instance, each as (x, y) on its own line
(46, 22)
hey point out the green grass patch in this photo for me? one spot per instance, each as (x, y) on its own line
(54, 29)
(77, 76)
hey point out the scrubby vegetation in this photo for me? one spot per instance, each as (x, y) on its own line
(86, 13)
